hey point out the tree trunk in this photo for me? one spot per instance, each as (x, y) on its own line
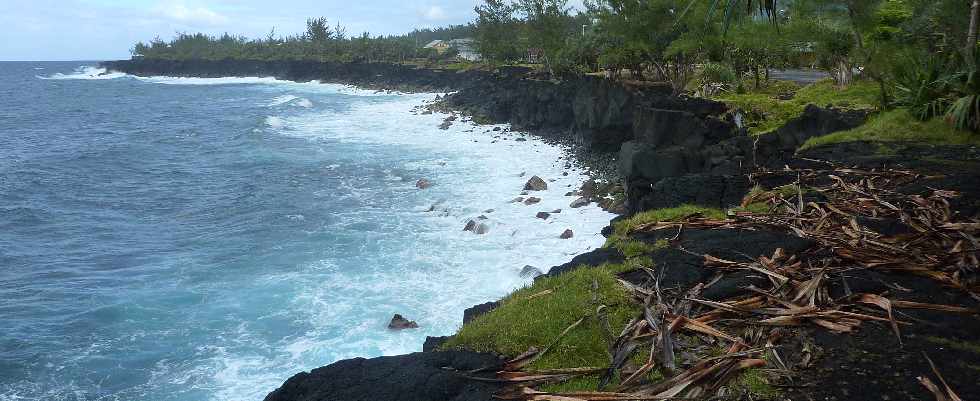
(971, 36)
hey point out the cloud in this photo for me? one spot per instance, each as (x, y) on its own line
(434, 13)
(180, 12)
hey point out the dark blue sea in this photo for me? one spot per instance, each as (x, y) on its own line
(205, 239)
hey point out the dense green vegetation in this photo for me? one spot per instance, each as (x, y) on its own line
(918, 55)
(320, 42)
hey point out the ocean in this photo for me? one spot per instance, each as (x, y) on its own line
(205, 239)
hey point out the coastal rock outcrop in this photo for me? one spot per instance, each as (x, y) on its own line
(536, 184)
(399, 322)
(413, 377)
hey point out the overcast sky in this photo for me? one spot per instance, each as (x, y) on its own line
(107, 29)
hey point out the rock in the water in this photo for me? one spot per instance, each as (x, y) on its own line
(543, 215)
(556, 211)
(580, 202)
(530, 272)
(482, 229)
(489, 211)
(470, 226)
(518, 199)
(536, 184)
(399, 322)
(532, 200)
(567, 234)
(423, 184)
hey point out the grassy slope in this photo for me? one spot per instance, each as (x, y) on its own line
(775, 113)
(899, 125)
(534, 317)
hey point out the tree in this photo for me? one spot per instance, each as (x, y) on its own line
(548, 24)
(495, 31)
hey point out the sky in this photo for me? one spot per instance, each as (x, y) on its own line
(34, 30)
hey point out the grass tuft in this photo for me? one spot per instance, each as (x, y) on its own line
(527, 319)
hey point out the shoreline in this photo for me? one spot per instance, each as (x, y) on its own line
(575, 156)
(672, 152)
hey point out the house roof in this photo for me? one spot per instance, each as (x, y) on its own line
(434, 43)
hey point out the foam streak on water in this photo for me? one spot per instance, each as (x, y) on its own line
(224, 234)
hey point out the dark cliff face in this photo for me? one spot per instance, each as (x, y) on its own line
(660, 140)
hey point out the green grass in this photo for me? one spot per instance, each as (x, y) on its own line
(630, 248)
(527, 319)
(754, 382)
(899, 126)
(962, 346)
(771, 113)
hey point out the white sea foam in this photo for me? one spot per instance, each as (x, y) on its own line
(291, 100)
(86, 73)
(446, 270)
(274, 122)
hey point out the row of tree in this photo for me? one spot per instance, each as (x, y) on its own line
(920, 52)
(321, 42)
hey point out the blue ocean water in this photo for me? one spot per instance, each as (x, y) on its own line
(204, 239)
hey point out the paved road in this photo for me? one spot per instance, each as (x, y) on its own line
(799, 76)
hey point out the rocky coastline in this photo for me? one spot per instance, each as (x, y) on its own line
(649, 149)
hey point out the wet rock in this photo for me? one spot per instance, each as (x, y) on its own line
(518, 199)
(470, 225)
(543, 215)
(556, 211)
(482, 229)
(568, 234)
(536, 184)
(532, 200)
(423, 184)
(399, 322)
(580, 202)
(530, 272)
(488, 211)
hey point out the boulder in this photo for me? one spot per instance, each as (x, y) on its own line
(580, 202)
(481, 229)
(399, 322)
(518, 199)
(530, 272)
(536, 184)
(423, 184)
(543, 215)
(532, 200)
(568, 234)
(470, 225)
(556, 211)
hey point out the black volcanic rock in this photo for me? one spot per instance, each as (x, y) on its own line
(477, 310)
(415, 377)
